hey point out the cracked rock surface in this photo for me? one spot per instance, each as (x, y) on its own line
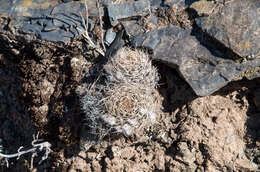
(204, 71)
(236, 25)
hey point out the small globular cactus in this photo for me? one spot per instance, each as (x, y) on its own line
(128, 101)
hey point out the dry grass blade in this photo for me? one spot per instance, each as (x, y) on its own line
(85, 32)
(42, 146)
(101, 25)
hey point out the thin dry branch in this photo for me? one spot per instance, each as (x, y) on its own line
(85, 32)
(101, 25)
(44, 146)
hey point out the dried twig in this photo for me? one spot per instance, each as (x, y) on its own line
(44, 146)
(85, 32)
(101, 25)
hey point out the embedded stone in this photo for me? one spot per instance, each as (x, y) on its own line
(49, 20)
(132, 28)
(127, 9)
(236, 25)
(204, 70)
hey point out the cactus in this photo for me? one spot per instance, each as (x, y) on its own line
(127, 102)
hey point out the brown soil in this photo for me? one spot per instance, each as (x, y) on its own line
(212, 133)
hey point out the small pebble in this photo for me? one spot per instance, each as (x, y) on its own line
(110, 36)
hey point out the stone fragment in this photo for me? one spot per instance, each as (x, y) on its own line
(49, 20)
(178, 3)
(20, 8)
(153, 20)
(156, 3)
(205, 70)
(203, 7)
(109, 36)
(132, 28)
(236, 25)
(116, 45)
(127, 9)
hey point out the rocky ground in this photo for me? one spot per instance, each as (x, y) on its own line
(209, 108)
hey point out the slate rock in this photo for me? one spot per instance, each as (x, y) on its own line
(20, 8)
(236, 25)
(127, 9)
(153, 20)
(178, 3)
(109, 36)
(50, 20)
(132, 28)
(116, 45)
(156, 3)
(203, 71)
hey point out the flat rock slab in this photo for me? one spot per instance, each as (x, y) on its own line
(132, 28)
(50, 20)
(178, 3)
(236, 25)
(204, 72)
(127, 9)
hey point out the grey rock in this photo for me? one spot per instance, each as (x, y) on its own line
(203, 69)
(49, 20)
(156, 3)
(92, 7)
(178, 3)
(20, 8)
(153, 20)
(236, 25)
(116, 45)
(132, 28)
(110, 36)
(127, 9)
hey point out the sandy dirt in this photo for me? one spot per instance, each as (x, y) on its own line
(213, 133)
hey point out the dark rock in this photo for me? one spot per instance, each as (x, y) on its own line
(110, 36)
(116, 45)
(26, 8)
(67, 1)
(178, 3)
(257, 98)
(127, 9)
(48, 20)
(157, 3)
(236, 25)
(132, 28)
(204, 72)
(189, 2)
